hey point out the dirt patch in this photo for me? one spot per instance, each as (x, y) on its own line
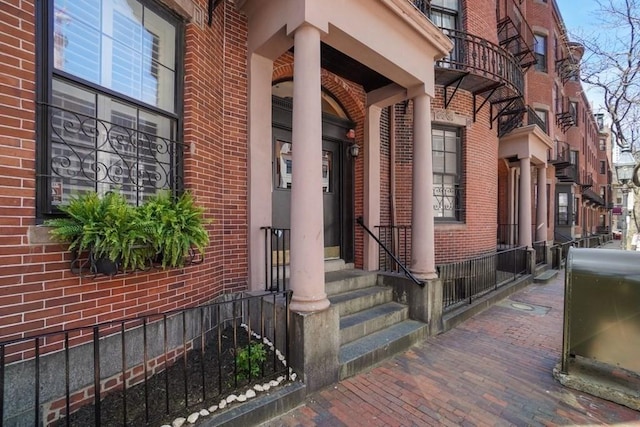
(198, 381)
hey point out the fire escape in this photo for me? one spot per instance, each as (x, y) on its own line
(517, 38)
(565, 114)
(493, 74)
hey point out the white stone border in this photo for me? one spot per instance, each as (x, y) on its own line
(249, 394)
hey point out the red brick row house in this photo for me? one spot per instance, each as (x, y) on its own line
(460, 126)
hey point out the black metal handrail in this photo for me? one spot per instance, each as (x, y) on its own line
(277, 244)
(482, 57)
(540, 249)
(464, 281)
(406, 271)
(146, 369)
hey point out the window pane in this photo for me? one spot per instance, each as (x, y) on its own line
(283, 164)
(98, 143)
(327, 171)
(119, 45)
(73, 141)
(438, 162)
(563, 200)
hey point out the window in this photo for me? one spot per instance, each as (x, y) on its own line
(540, 52)
(603, 167)
(573, 110)
(447, 197)
(603, 192)
(542, 115)
(576, 203)
(110, 100)
(603, 145)
(444, 14)
(563, 209)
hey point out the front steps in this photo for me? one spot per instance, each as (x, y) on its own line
(372, 326)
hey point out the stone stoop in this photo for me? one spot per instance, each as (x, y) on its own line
(545, 276)
(372, 326)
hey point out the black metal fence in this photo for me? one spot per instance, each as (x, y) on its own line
(559, 253)
(277, 244)
(145, 370)
(467, 280)
(541, 252)
(397, 238)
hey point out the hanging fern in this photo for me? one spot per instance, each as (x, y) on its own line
(107, 226)
(179, 226)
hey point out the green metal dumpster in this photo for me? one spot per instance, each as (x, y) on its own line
(602, 307)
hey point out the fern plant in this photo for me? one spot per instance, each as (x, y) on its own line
(178, 227)
(109, 227)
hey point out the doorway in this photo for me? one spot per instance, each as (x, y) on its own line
(337, 178)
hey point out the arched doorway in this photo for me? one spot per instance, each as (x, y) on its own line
(337, 171)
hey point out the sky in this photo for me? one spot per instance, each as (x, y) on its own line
(580, 17)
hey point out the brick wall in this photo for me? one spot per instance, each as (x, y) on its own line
(477, 233)
(39, 293)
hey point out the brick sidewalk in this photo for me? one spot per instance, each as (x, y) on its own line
(492, 370)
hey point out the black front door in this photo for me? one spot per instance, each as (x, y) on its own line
(337, 181)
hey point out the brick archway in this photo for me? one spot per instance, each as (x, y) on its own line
(352, 98)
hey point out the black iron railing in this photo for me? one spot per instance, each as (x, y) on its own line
(534, 119)
(481, 57)
(397, 238)
(145, 370)
(398, 265)
(559, 252)
(540, 249)
(514, 33)
(467, 280)
(561, 153)
(507, 236)
(277, 244)
(423, 6)
(87, 153)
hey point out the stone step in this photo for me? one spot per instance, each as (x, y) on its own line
(361, 299)
(357, 325)
(341, 281)
(545, 277)
(373, 348)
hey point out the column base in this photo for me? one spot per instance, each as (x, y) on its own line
(308, 305)
(315, 344)
(425, 276)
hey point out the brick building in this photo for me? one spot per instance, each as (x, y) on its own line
(473, 132)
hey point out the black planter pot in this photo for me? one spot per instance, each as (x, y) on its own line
(103, 265)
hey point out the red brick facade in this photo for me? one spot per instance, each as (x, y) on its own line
(39, 293)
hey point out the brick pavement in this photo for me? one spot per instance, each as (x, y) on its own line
(492, 370)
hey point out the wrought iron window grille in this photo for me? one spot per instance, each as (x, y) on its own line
(87, 153)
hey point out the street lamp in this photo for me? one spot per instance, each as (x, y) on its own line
(625, 168)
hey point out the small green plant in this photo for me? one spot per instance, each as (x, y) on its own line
(249, 361)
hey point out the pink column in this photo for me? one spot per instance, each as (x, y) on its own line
(524, 223)
(307, 227)
(422, 228)
(541, 213)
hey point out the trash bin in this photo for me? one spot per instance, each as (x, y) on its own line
(602, 307)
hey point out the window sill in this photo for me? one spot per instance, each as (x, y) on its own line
(450, 226)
